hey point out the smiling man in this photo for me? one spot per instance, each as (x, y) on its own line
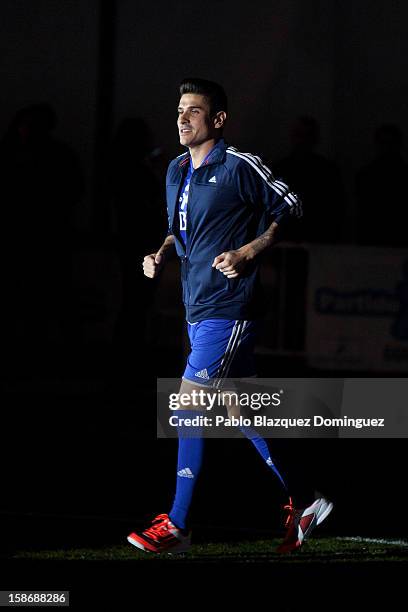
(224, 209)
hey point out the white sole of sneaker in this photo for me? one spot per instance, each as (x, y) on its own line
(137, 544)
(324, 510)
(176, 550)
(321, 512)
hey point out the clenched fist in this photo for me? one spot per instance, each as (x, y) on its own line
(152, 264)
(232, 263)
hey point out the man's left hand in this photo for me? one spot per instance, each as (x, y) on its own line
(232, 263)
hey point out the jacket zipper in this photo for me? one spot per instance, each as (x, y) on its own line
(188, 238)
(188, 243)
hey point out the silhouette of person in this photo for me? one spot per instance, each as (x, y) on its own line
(137, 199)
(381, 192)
(318, 182)
(41, 181)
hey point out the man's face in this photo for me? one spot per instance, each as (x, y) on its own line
(194, 123)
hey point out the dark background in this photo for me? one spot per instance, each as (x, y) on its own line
(87, 122)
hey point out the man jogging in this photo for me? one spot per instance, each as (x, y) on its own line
(224, 209)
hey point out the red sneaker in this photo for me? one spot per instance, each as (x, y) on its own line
(300, 523)
(162, 536)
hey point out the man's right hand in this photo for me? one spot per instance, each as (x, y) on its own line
(152, 264)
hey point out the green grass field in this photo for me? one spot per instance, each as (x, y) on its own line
(317, 550)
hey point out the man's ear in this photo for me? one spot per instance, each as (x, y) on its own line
(220, 119)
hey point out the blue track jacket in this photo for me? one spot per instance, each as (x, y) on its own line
(233, 198)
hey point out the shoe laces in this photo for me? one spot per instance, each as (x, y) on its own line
(160, 524)
(289, 508)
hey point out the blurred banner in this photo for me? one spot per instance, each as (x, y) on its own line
(357, 308)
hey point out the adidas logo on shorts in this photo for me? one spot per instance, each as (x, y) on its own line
(202, 374)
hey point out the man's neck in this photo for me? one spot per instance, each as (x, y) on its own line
(199, 152)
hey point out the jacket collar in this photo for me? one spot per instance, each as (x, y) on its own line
(216, 155)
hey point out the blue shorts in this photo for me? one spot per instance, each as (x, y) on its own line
(220, 348)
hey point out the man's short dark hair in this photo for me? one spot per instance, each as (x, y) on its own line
(214, 93)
